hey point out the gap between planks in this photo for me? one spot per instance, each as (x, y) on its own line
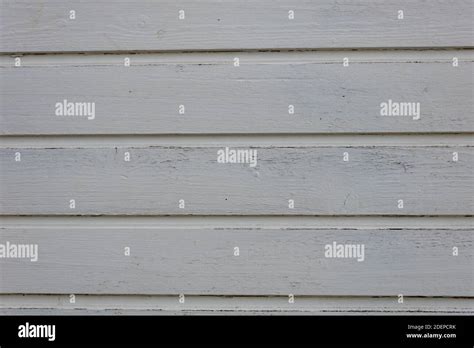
(232, 222)
(17, 303)
(246, 57)
(194, 140)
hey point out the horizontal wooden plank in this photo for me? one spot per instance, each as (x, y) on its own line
(212, 96)
(192, 181)
(245, 305)
(30, 26)
(270, 262)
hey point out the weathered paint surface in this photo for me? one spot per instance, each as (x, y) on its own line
(184, 96)
(31, 26)
(300, 94)
(268, 262)
(190, 180)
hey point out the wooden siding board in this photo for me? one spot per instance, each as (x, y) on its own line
(251, 99)
(316, 178)
(30, 26)
(271, 262)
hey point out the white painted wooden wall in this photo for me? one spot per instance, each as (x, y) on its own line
(131, 210)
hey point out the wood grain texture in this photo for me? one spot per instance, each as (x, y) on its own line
(31, 26)
(251, 99)
(271, 262)
(230, 305)
(316, 178)
(173, 156)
